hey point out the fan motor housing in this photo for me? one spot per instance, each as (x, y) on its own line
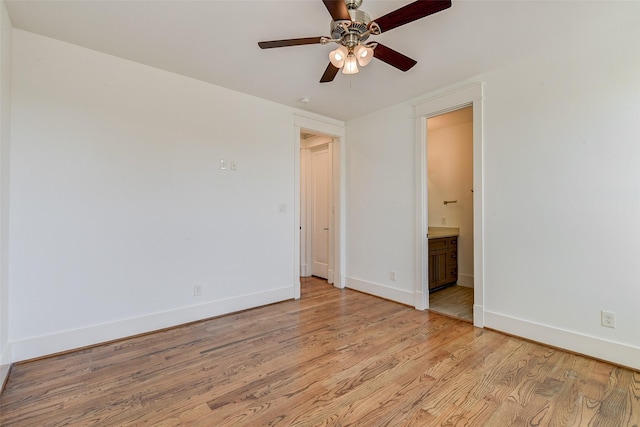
(346, 30)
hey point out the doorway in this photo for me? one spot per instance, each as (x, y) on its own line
(465, 96)
(316, 195)
(309, 134)
(450, 212)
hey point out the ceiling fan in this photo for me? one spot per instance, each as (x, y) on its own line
(351, 28)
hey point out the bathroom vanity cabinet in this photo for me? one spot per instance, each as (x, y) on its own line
(443, 261)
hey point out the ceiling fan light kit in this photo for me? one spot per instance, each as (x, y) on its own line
(350, 65)
(338, 56)
(351, 28)
(364, 54)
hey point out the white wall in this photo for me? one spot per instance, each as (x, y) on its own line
(5, 135)
(450, 177)
(561, 193)
(563, 190)
(380, 203)
(118, 206)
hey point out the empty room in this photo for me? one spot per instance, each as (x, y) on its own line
(242, 213)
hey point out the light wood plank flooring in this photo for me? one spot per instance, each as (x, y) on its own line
(456, 301)
(333, 358)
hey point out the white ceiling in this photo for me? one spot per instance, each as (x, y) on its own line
(216, 41)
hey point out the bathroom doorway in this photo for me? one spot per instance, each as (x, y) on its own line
(450, 201)
(455, 99)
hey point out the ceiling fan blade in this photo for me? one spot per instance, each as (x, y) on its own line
(337, 9)
(411, 12)
(329, 73)
(289, 42)
(393, 57)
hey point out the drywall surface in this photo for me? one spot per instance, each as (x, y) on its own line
(561, 190)
(119, 207)
(5, 135)
(380, 203)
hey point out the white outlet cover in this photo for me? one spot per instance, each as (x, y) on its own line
(608, 319)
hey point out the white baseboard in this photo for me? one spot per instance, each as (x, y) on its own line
(622, 354)
(465, 280)
(68, 340)
(5, 356)
(5, 364)
(478, 316)
(393, 294)
(417, 301)
(304, 272)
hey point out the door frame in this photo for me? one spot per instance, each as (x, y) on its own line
(471, 95)
(336, 130)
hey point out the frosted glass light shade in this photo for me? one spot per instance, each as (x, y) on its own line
(350, 65)
(363, 54)
(338, 56)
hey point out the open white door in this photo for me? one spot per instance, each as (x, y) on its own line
(320, 209)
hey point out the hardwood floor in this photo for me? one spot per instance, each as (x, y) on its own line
(456, 301)
(333, 358)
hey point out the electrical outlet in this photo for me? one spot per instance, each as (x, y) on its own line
(197, 290)
(234, 165)
(444, 221)
(392, 276)
(608, 319)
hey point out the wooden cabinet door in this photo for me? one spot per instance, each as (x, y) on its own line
(443, 262)
(437, 268)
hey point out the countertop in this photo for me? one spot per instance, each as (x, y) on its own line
(438, 232)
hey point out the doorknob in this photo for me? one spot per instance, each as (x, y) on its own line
(326, 228)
